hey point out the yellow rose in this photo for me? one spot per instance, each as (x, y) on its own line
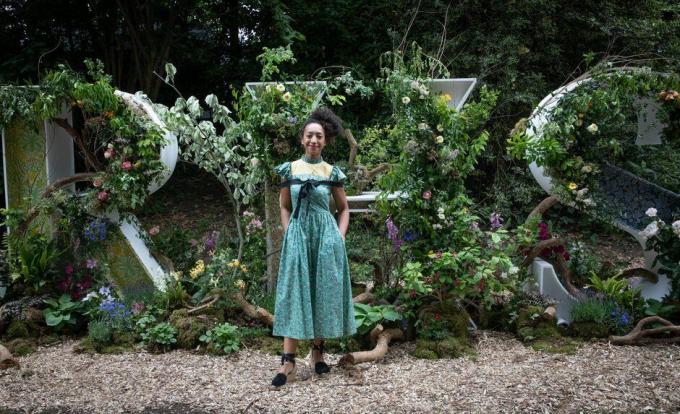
(446, 97)
(573, 186)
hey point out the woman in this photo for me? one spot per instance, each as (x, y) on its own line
(313, 292)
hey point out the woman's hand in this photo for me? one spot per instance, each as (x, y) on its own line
(286, 206)
(343, 210)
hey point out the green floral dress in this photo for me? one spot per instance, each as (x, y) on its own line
(313, 292)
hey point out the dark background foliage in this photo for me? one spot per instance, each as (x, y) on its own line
(525, 49)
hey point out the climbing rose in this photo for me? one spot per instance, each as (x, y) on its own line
(126, 165)
(427, 195)
(592, 128)
(651, 212)
(102, 196)
(405, 100)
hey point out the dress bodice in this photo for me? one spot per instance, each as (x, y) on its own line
(310, 184)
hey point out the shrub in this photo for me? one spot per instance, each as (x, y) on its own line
(224, 338)
(162, 335)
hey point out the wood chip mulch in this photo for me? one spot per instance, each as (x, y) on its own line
(504, 376)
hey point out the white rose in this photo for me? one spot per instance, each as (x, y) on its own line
(439, 139)
(415, 85)
(676, 227)
(651, 212)
(280, 87)
(405, 100)
(441, 216)
(422, 126)
(592, 128)
(286, 96)
(440, 128)
(650, 231)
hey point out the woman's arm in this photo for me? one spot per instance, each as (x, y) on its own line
(286, 206)
(343, 209)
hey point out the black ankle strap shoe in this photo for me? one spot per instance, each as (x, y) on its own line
(320, 367)
(281, 379)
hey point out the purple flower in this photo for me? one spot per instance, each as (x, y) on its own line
(137, 308)
(68, 269)
(292, 120)
(496, 221)
(91, 263)
(474, 226)
(392, 232)
(410, 235)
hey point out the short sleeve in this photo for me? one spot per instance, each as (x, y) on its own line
(283, 170)
(338, 175)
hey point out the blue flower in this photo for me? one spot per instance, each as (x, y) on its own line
(410, 235)
(95, 230)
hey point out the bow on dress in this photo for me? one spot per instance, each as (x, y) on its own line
(305, 190)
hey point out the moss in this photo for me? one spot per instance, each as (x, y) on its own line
(48, 339)
(452, 347)
(18, 329)
(450, 316)
(115, 349)
(339, 346)
(494, 319)
(423, 353)
(86, 346)
(124, 338)
(266, 344)
(589, 330)
(189, 328)
(21, 346)
(557, 346)
(544, 330)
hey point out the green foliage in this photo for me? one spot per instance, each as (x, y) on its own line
(600, 116)
(620, 291)
(593, 310)
(224, 338)
(162, 335)
(61, 312)
(664, 239)
(99, 332)
(367, 317)
(35, 263)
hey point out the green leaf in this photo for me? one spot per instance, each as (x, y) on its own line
(170, 72)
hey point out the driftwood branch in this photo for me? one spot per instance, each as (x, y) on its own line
(540, 246)
(62, 182)
(641, 336)
(543, 206)
(206, 304)
(353, 147)
(365, 297)
(91, 160)
(640, 272)
(6, 360)
(253, 311)
(382, 340)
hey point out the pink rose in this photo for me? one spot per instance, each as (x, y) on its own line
(98, 182)
(102, 196)
(109, 153)
(154, 230)
(126, 165)
(427, 195)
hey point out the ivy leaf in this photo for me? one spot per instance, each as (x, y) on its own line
(170, 72)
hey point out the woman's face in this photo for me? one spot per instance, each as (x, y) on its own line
(313, 140)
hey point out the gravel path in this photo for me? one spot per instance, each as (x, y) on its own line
(505, 376)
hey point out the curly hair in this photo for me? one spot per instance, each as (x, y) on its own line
(331, 123)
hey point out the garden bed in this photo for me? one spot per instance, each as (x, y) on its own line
(504, 375)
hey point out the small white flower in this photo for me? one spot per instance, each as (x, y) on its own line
(286, 96)
(280, 87)
(592, 128)
(415, 85)
(268, 88)
(587, 169)
(513, 270)
(254, 162)
(651, 212)
(589, 202)
(504, 275)
(441, 216)
(437, 226)
(440, 128)
(439, 139)
(422, 126)
(650, 231)
(405, 100)
(581, 193)
(676, 227)
(440, 210)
